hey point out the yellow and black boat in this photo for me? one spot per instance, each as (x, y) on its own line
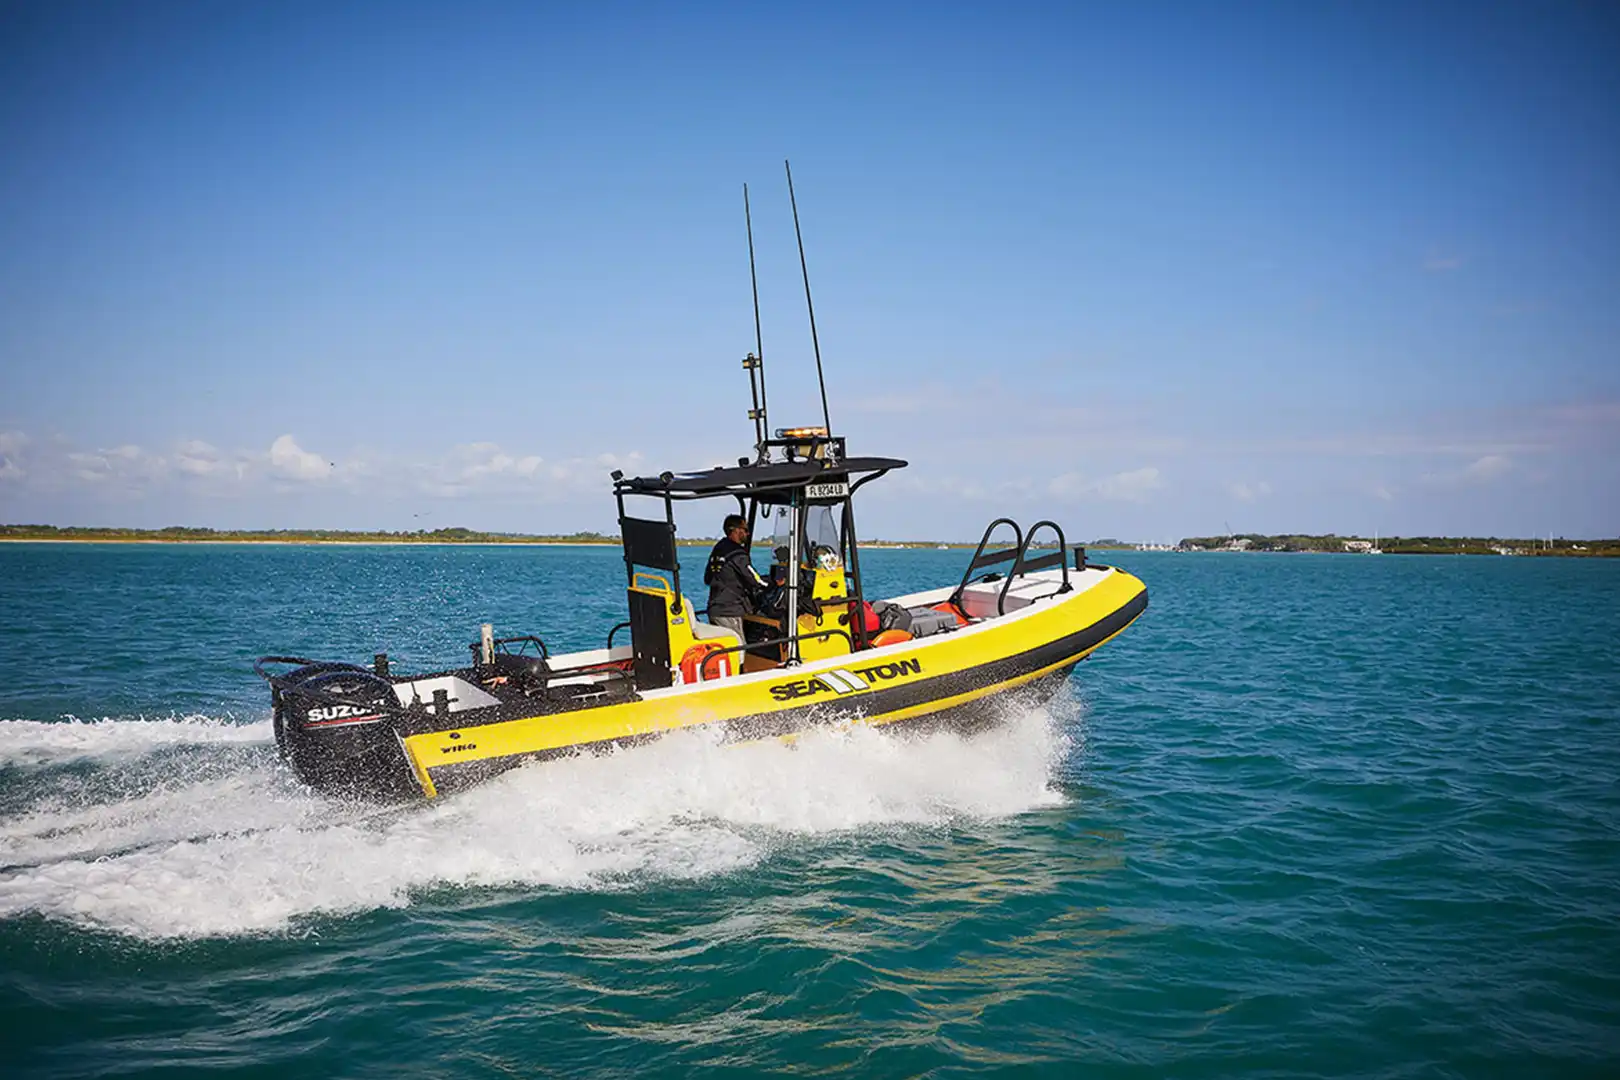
(1025, 610)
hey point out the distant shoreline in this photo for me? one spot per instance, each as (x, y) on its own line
(327, 542)
(458, 537)
(306, 543)
(431, 543)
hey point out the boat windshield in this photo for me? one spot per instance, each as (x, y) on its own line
(820, 545)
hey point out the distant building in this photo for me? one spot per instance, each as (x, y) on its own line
(1361, 546)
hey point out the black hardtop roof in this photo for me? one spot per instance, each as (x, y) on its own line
(750, 479)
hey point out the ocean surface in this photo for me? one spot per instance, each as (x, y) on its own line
(1310, 816)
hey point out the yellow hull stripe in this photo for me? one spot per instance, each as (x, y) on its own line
(750, 696)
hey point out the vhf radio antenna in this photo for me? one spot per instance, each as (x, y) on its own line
(755, 361)
(825, 419)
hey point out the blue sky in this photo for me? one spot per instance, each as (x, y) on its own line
(1148, 269)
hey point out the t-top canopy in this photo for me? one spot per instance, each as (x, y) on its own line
(752, 479)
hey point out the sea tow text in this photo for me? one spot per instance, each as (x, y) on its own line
(845, 680)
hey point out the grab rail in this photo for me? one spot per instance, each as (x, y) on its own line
(523, 640)
(1018, 555)
(980, 560)
(1022, 565)
(653, 582)
(527, 640)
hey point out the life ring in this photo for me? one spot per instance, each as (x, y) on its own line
(696, 667)
(890, 637)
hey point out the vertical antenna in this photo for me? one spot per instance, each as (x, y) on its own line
(825, 419)
(756, 361)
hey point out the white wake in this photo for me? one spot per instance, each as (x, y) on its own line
(29, 742)
(246, 850)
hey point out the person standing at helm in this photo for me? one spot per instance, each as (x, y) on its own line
(734, 585)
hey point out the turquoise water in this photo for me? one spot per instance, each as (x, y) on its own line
(1310, 816)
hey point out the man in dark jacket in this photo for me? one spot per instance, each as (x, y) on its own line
(734, 586)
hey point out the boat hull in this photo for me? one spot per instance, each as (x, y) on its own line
(948, 678)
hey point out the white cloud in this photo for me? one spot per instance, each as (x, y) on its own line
(488, 469)
(1487, 468)
(1443, 262)
(925, 399)
(197, 458)
(479, 467)
(1135, 486)
(932, 484)
(289, 461)
(627, 462)
(1249, 493)
(200, 469)
(124, 468)
(12, 444)
(1036, 426)
(1482, 471)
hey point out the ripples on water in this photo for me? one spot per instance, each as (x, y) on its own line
(1310, 816)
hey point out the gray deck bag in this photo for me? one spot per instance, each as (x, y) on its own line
(892, 616)
(925, 622)
(919, 622)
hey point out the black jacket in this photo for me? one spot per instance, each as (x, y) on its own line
(734, 586)
(774, 600)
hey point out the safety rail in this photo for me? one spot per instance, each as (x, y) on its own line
(523, 650)
(1023, 565)
(1018, 555)
(980, 560)
(523, 641)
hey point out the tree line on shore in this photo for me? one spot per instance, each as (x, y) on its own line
(1394, 545)
(181, 533)
(1407, 545)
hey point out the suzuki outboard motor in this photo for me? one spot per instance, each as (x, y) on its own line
(335, 725)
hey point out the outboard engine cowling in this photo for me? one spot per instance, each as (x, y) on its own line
(334, 725)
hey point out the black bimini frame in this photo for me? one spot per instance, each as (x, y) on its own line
(816, 459)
